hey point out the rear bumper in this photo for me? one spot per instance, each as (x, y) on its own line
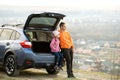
(36, 60)
(43, 60)
(32, 64)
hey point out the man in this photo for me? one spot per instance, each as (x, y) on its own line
(67, 46)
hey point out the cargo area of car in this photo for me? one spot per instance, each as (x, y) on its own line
(40, 46)
(40, 40)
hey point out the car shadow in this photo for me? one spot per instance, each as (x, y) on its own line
(36, 73)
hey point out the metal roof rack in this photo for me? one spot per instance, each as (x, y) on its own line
(13, 25)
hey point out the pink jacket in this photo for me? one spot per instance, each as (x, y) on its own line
(54, 45)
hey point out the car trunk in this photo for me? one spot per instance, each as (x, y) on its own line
(40, 40)
(38, 28)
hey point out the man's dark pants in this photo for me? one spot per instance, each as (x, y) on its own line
(68, 55)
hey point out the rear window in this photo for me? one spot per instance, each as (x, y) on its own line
(15, 35)
(42, 21)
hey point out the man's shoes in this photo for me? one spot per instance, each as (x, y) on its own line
(71, 76)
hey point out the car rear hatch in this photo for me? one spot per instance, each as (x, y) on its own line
(45, 21)
(38, 28)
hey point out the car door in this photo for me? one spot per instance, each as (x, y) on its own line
(5, 42)
(44, 21)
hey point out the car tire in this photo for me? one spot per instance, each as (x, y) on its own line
(51, 70)
(11, 66)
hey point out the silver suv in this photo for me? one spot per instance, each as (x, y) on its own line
(27, 46)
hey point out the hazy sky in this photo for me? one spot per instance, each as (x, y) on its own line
(81, 4)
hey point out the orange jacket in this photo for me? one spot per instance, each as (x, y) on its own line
(65, 40)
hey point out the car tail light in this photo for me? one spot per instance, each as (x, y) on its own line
(25, 44)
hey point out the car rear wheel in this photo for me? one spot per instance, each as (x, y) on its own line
(10, 66)
(51, 70)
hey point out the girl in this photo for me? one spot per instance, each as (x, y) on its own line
(55, 49)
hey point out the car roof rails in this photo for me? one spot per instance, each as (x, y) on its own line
(13, 25)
